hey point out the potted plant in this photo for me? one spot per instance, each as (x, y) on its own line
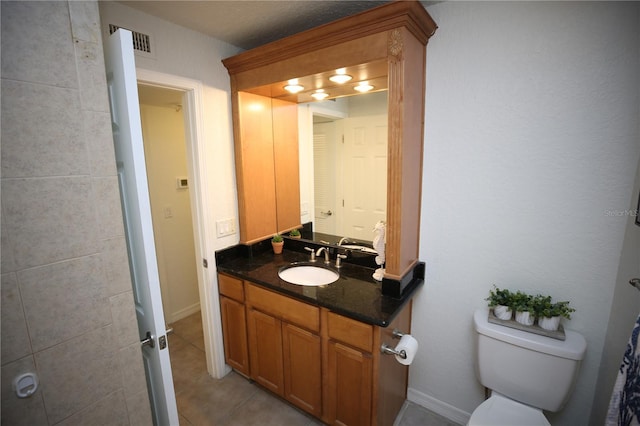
(294, 233)
(541, 304)
(277, 243)
(550, 314)
(524, 306)
(500, 301)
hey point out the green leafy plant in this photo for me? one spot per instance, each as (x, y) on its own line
(558, 309)
(541, 304)
(277, 238)
(522, 302)
(294, 233)
(499, 297)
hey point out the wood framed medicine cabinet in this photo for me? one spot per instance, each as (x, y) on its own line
(386, 44)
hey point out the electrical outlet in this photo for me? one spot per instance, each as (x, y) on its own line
(225, 227)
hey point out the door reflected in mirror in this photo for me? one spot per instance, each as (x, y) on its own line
(350, 165)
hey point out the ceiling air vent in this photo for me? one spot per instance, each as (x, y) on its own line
(141, 42)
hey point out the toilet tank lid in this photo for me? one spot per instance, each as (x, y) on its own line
(573, 347)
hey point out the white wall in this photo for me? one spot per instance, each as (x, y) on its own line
(624, 311)
(166, 160)
(531, 136)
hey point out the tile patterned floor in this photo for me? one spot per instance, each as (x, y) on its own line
(235, 401)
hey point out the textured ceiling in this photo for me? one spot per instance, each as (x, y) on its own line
(247, 23)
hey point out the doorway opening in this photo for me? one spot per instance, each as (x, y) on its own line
(184, 201)
(162, 118)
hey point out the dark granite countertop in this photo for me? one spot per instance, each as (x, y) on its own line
(356, 294)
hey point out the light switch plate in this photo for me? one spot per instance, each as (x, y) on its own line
(225, 227)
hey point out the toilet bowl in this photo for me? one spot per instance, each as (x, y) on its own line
(501, 411)
(526, 373)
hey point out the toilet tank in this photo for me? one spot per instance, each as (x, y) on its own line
(536, 370)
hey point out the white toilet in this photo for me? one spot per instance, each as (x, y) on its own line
(526, 372)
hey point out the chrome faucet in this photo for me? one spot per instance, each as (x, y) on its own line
(313, 254)
(343, 240)
(326, 254)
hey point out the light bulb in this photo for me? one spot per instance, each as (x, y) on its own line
(363, 86)
(293, 86)
(340, 76)
(319, 94)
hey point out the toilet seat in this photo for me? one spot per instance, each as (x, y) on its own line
(501, 411)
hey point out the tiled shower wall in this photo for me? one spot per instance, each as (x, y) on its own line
(67, 302)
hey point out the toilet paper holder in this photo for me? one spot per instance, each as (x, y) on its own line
(388, 350)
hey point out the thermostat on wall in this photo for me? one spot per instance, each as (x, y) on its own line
(182, 182)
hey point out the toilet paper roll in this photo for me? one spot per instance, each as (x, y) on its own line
(409, 345)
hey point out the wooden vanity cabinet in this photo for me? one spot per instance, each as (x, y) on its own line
(234, 323)
(265, 343)
(285, 347)
(302, 357)
(350, 376)
(324, 363)
(362, 386)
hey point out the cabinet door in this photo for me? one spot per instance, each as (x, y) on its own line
(302, 368)
(349, 382)
(234, 332)
(255, 168)
(265, 350)
(285, 154)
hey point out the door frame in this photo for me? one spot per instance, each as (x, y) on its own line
(200, 203)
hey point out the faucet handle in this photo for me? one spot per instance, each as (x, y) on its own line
(339, 258)
(313, 253)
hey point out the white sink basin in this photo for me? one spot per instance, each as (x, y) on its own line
(309, 275)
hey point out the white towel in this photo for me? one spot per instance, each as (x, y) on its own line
(379, 241)
(624, 407)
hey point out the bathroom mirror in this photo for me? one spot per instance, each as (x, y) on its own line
(345, 185)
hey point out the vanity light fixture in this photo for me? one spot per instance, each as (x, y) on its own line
(363, 86)
(340, 76)
(319, 94)
(293, 86)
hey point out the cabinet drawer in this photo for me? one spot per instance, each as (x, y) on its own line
(349, 331)
(284, 307)
(231, 287)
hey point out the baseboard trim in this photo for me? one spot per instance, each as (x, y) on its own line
(183, 313)
(442, 408)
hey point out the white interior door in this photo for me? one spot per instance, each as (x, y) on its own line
(132, 177)
(364, 175)
(324, 177)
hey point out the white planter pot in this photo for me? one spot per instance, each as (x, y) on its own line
(525, 318)
(502, 312)
(549, 323)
